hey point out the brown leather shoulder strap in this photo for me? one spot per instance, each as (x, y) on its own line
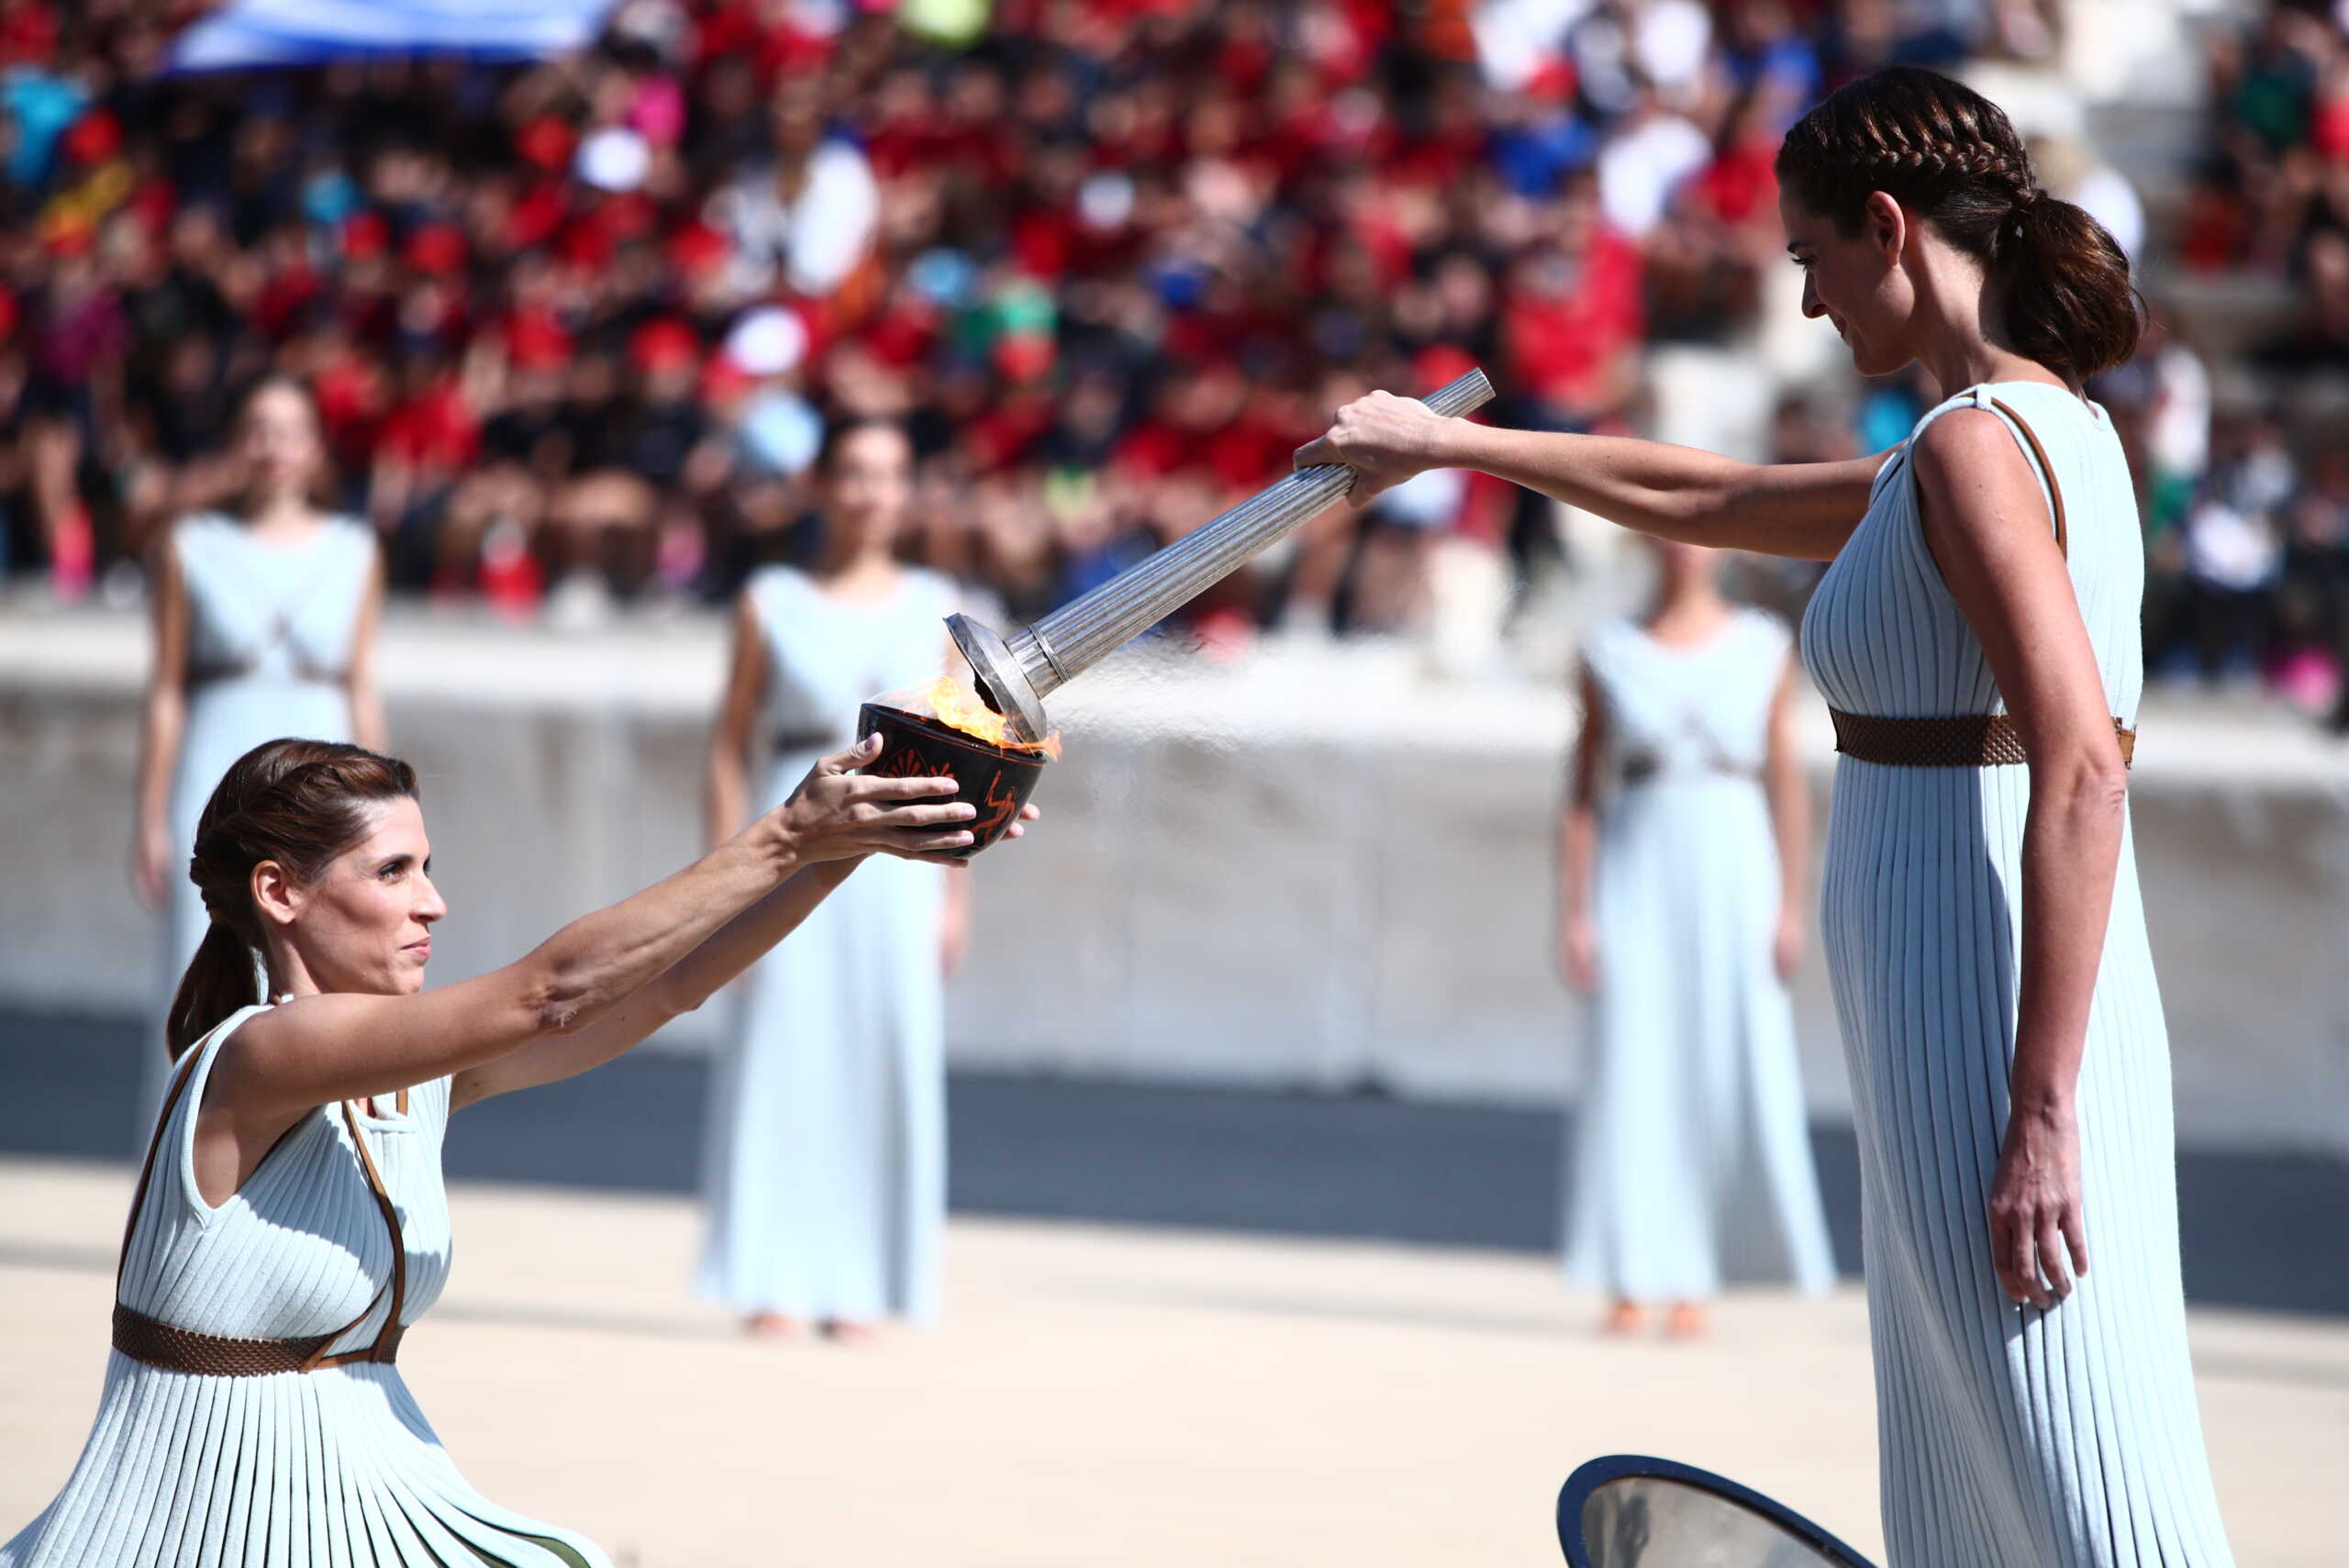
(387, 1341)
(184, 1072)
(2046, 469)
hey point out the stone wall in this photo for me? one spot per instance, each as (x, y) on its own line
(1317, 869)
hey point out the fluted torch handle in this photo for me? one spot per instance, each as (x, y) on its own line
(1464, 396)
(1063, 645)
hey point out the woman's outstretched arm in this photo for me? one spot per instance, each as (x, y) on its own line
(1578, 843)
(162, 730)
(366, 697)
(319, 1049)
(1988, 529)
(692, 980)
(695, 979)
(726, 796)
(1790, 796)
(1804, 510)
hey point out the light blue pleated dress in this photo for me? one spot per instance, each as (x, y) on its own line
(2010, 1437)
(336, 1465)
(271, 636)
(1691, 1167)
(825, 1175)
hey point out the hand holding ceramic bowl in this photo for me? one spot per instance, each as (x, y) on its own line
(995, 780)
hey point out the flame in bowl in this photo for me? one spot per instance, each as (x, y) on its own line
(954, 703)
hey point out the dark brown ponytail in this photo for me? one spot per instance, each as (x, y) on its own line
(2069, 302)
(1949, 155)
(299, 803)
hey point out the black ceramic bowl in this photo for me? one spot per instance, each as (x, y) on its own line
(996, 779)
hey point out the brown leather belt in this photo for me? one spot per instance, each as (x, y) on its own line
(1955, 740)
(158, 1344)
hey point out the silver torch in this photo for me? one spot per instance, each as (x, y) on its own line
(1015, 675)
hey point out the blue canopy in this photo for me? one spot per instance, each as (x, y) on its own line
(244, 34)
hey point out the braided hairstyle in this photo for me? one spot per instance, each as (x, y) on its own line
(299, 803)
(1948, 154)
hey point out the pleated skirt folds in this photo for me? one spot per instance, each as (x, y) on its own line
(2010, 1437)
(335, 1468)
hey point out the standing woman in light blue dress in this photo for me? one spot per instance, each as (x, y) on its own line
(1978, 640)
(825, 1175)
(265, 619)
(1683, 847)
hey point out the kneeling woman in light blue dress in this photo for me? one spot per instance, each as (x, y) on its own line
(1681, 918)
(290, 1224)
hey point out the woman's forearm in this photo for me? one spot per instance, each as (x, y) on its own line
(367, 725)
(1577, 852)
(590, 964)
(162, 727)
(1790, 826)
(1652, 486)
(726, 793)
(366, 698)
(727, 783)
(1804, 511)
(594, 973)
(692, 980)
(2071, 852)
(1578, 818)
(590, 977)
(745, 940)
(1789, 792)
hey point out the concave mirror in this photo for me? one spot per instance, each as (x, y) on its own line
(1631, 1511)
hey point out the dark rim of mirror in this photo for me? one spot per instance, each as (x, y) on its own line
(1597, 1472)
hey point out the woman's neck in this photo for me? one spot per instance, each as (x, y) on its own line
(286, 977)
(1685, 614)
(286, 514)
(1962, 334)
(864, 563)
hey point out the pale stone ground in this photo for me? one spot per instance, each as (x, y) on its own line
(1099, 1396)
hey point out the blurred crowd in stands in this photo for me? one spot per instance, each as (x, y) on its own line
(576, 328)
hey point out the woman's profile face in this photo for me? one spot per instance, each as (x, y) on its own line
(366, 925)
(1855, 281)
(279, 440)
(870, 483)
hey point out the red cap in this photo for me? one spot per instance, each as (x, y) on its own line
(584, 243)
(722, 379)
(364, 233)
(1024, 356)
(436, 248)
(93, 138)
(696, 248)
(663, 343)
(1553, 82)
(546, 142)
(629, 214)
(535, 340)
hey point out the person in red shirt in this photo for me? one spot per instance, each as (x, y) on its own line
(430, 439)
(1572, 317)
